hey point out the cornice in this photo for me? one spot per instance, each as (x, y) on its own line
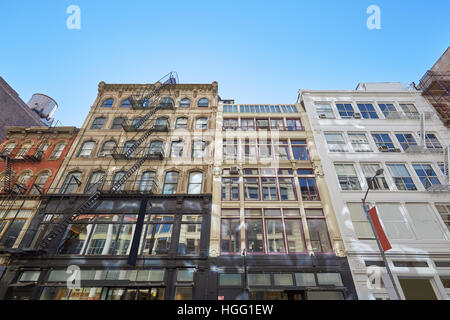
(104, 87)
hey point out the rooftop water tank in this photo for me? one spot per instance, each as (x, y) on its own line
(43, 105)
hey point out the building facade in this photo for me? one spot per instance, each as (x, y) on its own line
(274, 235)
(30, 159)
(147, 238)
(386, 126)
(14, 111)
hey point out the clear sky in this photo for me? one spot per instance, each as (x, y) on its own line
(258, 51)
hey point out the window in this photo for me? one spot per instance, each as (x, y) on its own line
(86, 149)
(362, 226)
(249, 150)
(198, 149)
(425, 222)
(71, 182)
(359, 142)
(95, 178)
(254, 236)
(388, 110)
(262, 124)
(384, 142)
(8, 148)
(203, 102)
(107, 149)
(108, 103)
(406, 140)
(158, 236)
(248, 124)
(269, 189)
(24, 149)
(129, 145)
(369, 170)
(170, 182)
(167, 101)
(324, 111)
(117, 123)
(176, 149)
(162, 123)
(367, 111)
(11, 227)
(125, 103)
(444, 211)
(426, 175)
(230, 236)
(410, 111)
(201, 123)
(308, 189)
(185, 103)
(181, 123)
(318, 232)
(57, 151)
(230, 124)
(348, 179)
(230, 189)
(287, 189)
(230, 149)
(394, 223)
(417, 289)
(299, 150)
(190, 234)
(294, 125)
(156, 147)
(147, 181)
(119, 175)
(251, 188)
(276, 124)
(345, 110)
(336, 142)
(281, 150)
(195, 183)
(137, 123)
(401, 176)
(230, 279)
(432, 142)
(98, 123)
(40, 182)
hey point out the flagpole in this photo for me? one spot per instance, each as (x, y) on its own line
(379, 172)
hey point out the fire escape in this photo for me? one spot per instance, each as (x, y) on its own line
(149, 101)
(435, 86)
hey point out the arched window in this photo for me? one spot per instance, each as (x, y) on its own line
(98, 123)
(108, 103)
(185, 103)
(195, 183)
(203, 102)
(147, 181)
(176, 149)
(146, 103)
(128, 145)
(181, 123)
(116, 179)
(136, 121)
(86, 149)
(201, 123)
(40, 182)
(156, 147)
(93, 181)
(170, 182)
(167, 101)
(24, 150)
(8, 148)
(107, 149)
(117, 123)
(125, 103)
(71, 183)
(58, 150)
(162, 124)
(24, 177)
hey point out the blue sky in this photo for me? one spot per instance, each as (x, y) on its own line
(258, 51)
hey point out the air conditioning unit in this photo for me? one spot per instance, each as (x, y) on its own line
(357, 115)
(322, 116)
(234, 170)
(383, 148)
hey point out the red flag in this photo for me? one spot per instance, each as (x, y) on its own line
(379, 229)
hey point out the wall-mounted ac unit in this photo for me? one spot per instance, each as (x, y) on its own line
(357, 115)
(384, 148)
(322, 116)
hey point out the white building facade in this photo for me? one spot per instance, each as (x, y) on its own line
(379, 126)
